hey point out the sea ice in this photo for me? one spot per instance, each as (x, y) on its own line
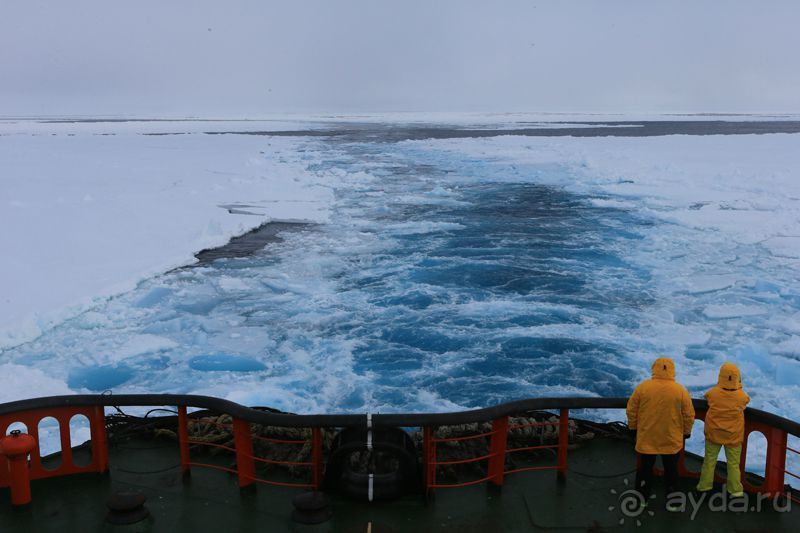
(91, 209)
(446, 273)
(721, 311)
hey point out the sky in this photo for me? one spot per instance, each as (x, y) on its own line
(243, 58)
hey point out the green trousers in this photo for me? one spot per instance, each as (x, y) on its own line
(732, 455)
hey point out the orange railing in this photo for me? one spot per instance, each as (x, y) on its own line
(774, 470)
(31, 420)
(64, 408)
(245, 458)
(498, 450)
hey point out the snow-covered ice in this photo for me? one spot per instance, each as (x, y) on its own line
(88, 210)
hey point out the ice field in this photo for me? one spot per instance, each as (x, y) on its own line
(436, 274)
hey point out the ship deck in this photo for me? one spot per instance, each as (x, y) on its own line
(210, 500)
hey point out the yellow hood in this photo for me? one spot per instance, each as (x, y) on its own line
(664, 368)
(729, 377)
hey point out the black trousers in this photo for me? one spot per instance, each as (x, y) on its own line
(644, 475)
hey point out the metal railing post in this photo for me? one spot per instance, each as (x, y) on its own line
(99, 439)
(742, 458)
(429, 458)
(67, 461)
(563, 441)
(776, 461)
(497, 447)
(245, 464)
(316, 458)
(183, 439)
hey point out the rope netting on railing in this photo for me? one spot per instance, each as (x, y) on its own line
(259, 450)
(475, 452)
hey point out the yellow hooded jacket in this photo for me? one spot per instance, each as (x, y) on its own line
(726, 404)
(661, 411)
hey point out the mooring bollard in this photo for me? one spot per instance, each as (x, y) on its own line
(16, 447)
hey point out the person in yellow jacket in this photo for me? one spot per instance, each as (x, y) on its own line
(660, 411)
(725, 427)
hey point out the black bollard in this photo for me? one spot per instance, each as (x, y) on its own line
(126, 507)
(311, 508)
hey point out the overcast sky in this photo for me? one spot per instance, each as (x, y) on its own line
(252, 58)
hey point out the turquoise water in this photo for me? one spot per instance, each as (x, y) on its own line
(438, 283)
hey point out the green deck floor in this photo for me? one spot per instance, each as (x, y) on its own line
(211, 501)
